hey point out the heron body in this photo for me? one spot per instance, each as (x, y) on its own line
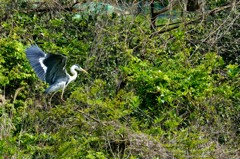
(51, 69)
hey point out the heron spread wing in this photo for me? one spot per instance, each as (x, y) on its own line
(48, 67)
(36, 56)
(55, 68)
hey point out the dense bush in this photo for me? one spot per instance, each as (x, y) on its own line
(146, 95)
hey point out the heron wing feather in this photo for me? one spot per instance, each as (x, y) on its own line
(35, 56)
(55, 64)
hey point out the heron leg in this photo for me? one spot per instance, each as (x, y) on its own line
(62, 94)
(50, 100)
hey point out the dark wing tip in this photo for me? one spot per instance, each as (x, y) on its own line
(52, 59)
(57, 55)
(55, 64)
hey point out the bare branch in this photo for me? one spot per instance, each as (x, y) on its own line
(200, 17)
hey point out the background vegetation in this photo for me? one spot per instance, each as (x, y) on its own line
(168, 90)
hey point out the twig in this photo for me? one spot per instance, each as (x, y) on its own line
(209, 13)
(16, 93)
(91, 117)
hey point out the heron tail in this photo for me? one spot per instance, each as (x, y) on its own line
(55, 87)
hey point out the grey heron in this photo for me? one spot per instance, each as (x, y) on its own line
(51, 69)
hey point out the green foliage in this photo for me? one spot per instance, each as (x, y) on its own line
(15, 72)
(179, 98)
(180, 83)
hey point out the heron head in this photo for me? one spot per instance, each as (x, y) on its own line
(79, 68)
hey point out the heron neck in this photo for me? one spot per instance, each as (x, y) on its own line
(74, 74)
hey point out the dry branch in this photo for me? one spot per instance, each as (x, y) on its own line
(200, 17)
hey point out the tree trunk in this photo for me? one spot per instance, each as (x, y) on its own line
(193, 5)
(153, 16)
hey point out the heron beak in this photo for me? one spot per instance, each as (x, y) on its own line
(83, 70)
